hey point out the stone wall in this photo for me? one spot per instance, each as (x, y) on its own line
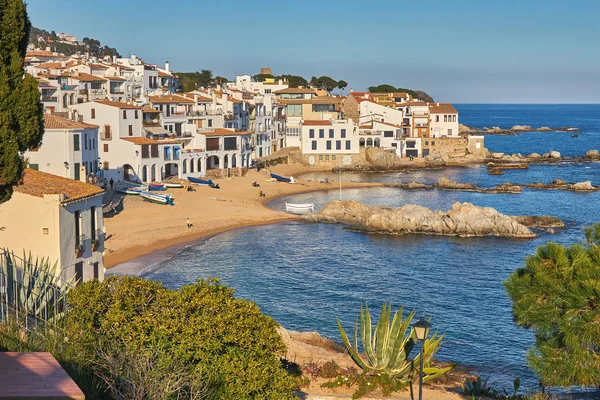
(226, 172)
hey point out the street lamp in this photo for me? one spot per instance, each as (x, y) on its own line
(421, 328)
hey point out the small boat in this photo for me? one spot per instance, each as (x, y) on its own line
(200, 181)
(157, 198)
(175, 185)
(283, 178)
(155, 186)
(300, 208)
(575, 136)
(129, 190)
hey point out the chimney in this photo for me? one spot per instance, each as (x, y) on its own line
(114, 59)
(82, 173)
(167, 67)
(438, 104)
(351, 90)
(70, 113)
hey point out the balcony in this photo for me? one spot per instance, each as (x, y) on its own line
(69, 87)
(420, 125)
(49, 99)
(117, 91)
(204, 113)
(187, 134)
(80, 245)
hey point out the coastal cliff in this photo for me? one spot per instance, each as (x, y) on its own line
(463, 220)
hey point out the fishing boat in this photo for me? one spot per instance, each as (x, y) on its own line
(283, 178)
(300, 208)
(155, 186)
(157, 198)
(135, 191)
(175, 185)
(200, 181)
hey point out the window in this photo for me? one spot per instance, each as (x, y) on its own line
(85, 141)
(106, 133)
(145, 151)
(76, 142)
(311, 133)
(210, 123)
(34, 166)
(454, 118)
(106, 148)
(445, 118)
(338, 144)
(93, 110)
(105, 165)
(154, 150)
(130, 130)
(321, 157)
(93, 222)
(433, 143)
(136, 114)
(327, 157)
(449, 132)
(77, 171)
(321, 133)
(294, 109)
(230, 143)
(329, 145)
(331, 134)
(348, 144)
(343, 133)
(426, 143)
(96, 270)
(388, 133)
(267, 91)
(314, 144)
(437, 118)
(124, 114)
(333, 157)
(318, 108)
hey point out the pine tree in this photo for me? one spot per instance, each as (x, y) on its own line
(557, 295)
(21, 112)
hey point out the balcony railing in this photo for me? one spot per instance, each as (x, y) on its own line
(117, 91)
(420, 125)
(49, 99)
(69, 87)
(204, 113)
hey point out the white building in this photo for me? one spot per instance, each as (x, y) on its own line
(444, 120)
(245, 83)
(69, 148)
(59, 219)
(323, 139)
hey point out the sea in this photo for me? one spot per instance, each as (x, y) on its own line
(306, 275)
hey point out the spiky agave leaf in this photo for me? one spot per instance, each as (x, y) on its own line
(365, 328)
(351, 350)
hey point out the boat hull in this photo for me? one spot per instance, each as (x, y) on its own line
(282, 178)
(200, 181)
(299, 208)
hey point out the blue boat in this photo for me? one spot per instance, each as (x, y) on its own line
(200, 181)
(157, 198)
(283, 178)
(156, 187)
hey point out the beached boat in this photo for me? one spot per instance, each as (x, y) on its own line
(134, 191)
(283, 178)
(300, 208)
(200, 181)
(155, 186)
(157, 198)
(175, 185)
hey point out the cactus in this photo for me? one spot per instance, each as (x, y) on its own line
(388, 347)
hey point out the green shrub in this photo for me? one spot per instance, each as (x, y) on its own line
(225, 343)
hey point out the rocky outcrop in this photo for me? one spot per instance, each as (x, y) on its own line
(559, 184)
(463, 220)
(445, 183)
(592, 154)
(378, 156)
(542, 222)
(535, 156)
(496, 130)
(583, 186)
(555, 154)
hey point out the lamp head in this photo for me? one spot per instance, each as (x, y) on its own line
(421, 328)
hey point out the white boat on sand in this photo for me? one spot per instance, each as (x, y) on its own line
(300, 208)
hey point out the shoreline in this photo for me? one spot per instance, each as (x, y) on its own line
(225, 214)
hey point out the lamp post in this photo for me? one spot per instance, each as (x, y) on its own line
(421, 328)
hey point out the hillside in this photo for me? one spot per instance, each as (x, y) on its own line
(417, 94)
(41, 38)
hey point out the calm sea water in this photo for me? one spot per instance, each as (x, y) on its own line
(305, 275)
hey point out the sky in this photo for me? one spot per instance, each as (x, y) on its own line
(460, 51)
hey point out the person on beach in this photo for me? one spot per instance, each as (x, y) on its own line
(112, 208)
(111, 182)
(189, 223)
(261, 194)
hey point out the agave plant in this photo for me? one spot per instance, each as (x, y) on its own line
(388, 348)
(32, 286)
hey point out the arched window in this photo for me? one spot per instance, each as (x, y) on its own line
(362, 142)
(145, 174)
(199, 165)
(192, 163)
(184, 167)
(376, 142)
(369, 142)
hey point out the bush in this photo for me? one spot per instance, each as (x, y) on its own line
(226, 346)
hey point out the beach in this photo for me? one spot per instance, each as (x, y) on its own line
(141, 228)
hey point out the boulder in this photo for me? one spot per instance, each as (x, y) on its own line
(583, 186)
(497, 156)
(508, 187)
(554, 154)
(546, 155)
(417, 186)
(593, 154)
(379, 157)
(495, 171)
(534, 156)
(559, 182)
(544, 129)
(494, 129)
(464, 129)
(445, 183)
(464, 220)
(521, 128)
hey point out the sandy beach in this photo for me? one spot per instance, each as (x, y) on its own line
(141, 228)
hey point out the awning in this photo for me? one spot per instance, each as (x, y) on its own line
(156, 130)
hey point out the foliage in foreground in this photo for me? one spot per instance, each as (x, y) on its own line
(557, 295)
(197, 340)
(387, 364)
(21, 112)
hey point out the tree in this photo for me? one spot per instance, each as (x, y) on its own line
(385, 88)
(225, 343)
(557, 295)
(342, 85)
(21, 112)
(324, 83)
(295, 81)
(262, 77)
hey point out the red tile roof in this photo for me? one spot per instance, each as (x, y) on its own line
(88, 78)
(224, 132)
(442, 108)
(142, 140)
(295, 91)
(118, 104)
(38, 183)
(43, 53)
(55, 122)
(172, 99)
(316, 123)
(54, 65)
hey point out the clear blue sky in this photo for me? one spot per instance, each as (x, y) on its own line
(462, 51)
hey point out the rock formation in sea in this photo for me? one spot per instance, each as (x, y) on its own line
(464, 220)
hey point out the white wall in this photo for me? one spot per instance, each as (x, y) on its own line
(337, 126)
(439, 128)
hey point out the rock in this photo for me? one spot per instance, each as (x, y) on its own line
(445, 183)
(497, 156)
(315, 217)
(583, 186)
(521, 128)
(543, 221)
(508, 187)
(379, 157)
(550, 230)
(559, 182)
(544, 129)
(306, 347)
(554, 154)
(546, 155)
(495, 171)
(534, 156)
(464, 129)
(593, 154)
(464, 220)
(436, 159)
(494, 129)
(417, 185)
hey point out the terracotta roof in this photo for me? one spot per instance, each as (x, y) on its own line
(224, 132)
(55, 122)
(442, 108)
(88, 78)
(314, 100)
(43, 53)
(414, 104)
(170, 99)
(164, 75)
(295, 91)
(143, 140)
(148, 109)
(38, 183)
(115, 78)
(201, 99)
(316, 123)
(118, 104)
(98, 66)
(55, 65)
